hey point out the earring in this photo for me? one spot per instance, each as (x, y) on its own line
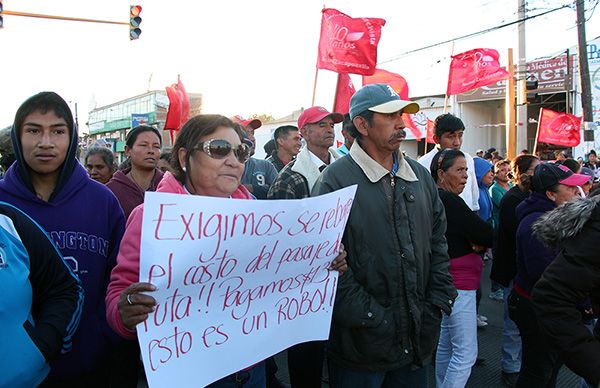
(184, 169)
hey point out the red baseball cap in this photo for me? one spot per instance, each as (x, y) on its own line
(316, 114)
(254, 123)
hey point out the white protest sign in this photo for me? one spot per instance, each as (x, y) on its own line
(238, 281)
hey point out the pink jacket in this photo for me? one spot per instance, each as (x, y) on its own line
(127, 270)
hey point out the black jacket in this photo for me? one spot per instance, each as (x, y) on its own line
(504, 266)
(572, 277)
(387, 309)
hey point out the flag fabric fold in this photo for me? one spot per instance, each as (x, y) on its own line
(179, 107)
(396, 81)
(473, 69)
(430, 130)
(343, 93)
(410, 124)
(348, 45)
(559, 128)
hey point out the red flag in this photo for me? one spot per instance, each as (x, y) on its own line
(343, 93)
(348, 45)
(473, 69)
(179, 106)
(430, 127)
(559, 128)
(396, 81)
(410, 124)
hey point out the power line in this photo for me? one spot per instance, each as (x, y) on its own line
(472, 34)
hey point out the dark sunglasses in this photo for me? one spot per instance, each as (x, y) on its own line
(220, 149)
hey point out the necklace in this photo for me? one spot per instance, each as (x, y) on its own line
(143, 188)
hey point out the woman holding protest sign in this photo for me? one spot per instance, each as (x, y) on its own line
(208, 159)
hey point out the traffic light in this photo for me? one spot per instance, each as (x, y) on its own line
(1, 17)
(134, 21)
(531, 86)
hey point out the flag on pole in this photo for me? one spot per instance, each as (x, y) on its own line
(559, 128)
(343, 93)
(430, 131)
(348, 45)
(396, 81)
(473, 69)
(179, 107)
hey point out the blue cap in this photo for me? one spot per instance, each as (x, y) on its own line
(380, 98)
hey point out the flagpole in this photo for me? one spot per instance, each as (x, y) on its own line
(446, 96)
(537, 132)
(509, 114)
(315, 87)
(337, 85)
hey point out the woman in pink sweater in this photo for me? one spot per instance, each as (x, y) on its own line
(208, 159)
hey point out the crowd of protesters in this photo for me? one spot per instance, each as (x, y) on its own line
(410, 262)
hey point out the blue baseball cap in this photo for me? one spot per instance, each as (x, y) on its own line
(380, 98)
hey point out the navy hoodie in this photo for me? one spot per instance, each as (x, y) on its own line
(532, 255)
(86, 223)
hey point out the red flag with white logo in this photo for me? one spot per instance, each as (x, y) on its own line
(348, 45)
(559, 128)
(473, 69)
(430, 131)
(343, 93)
(410, 124)
(396, 81)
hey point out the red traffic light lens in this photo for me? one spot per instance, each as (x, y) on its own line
(135, 10)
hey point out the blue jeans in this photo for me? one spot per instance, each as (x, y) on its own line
(511, 340)
(405, 377)
(457, 348)
(251, 378)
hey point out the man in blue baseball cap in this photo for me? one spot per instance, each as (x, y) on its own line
(389, 303)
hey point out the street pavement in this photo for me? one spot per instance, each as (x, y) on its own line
(487, 375)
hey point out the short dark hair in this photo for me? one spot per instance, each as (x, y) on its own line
(135, 132)
(443, 160)
(191, 133)
(283, 132)
(572, 165)
(166, 155)
(367, 115)
(107, 156)
(349, 127)
(447, 123)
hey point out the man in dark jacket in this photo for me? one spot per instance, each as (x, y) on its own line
(387, 314)
(572, 277)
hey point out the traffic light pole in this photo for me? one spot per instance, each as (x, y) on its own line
(41, 16)
(522, 118)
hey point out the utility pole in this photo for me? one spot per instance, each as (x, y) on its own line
(522, 118)
(584, 70)
(511, 136)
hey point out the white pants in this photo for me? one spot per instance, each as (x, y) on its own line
(457, 348)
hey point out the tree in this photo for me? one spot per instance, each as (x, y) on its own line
(263, 117)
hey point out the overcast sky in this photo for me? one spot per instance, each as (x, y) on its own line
(245, 56)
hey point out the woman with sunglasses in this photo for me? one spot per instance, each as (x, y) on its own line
(208, 159)
(467, 235)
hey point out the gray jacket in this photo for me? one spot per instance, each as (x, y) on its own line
(388, 306)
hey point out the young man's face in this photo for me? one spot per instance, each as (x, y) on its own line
(452, 140)
(592, 158)
(45, 141)
(290, 143)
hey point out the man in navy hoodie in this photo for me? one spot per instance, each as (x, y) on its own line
(80, 215)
